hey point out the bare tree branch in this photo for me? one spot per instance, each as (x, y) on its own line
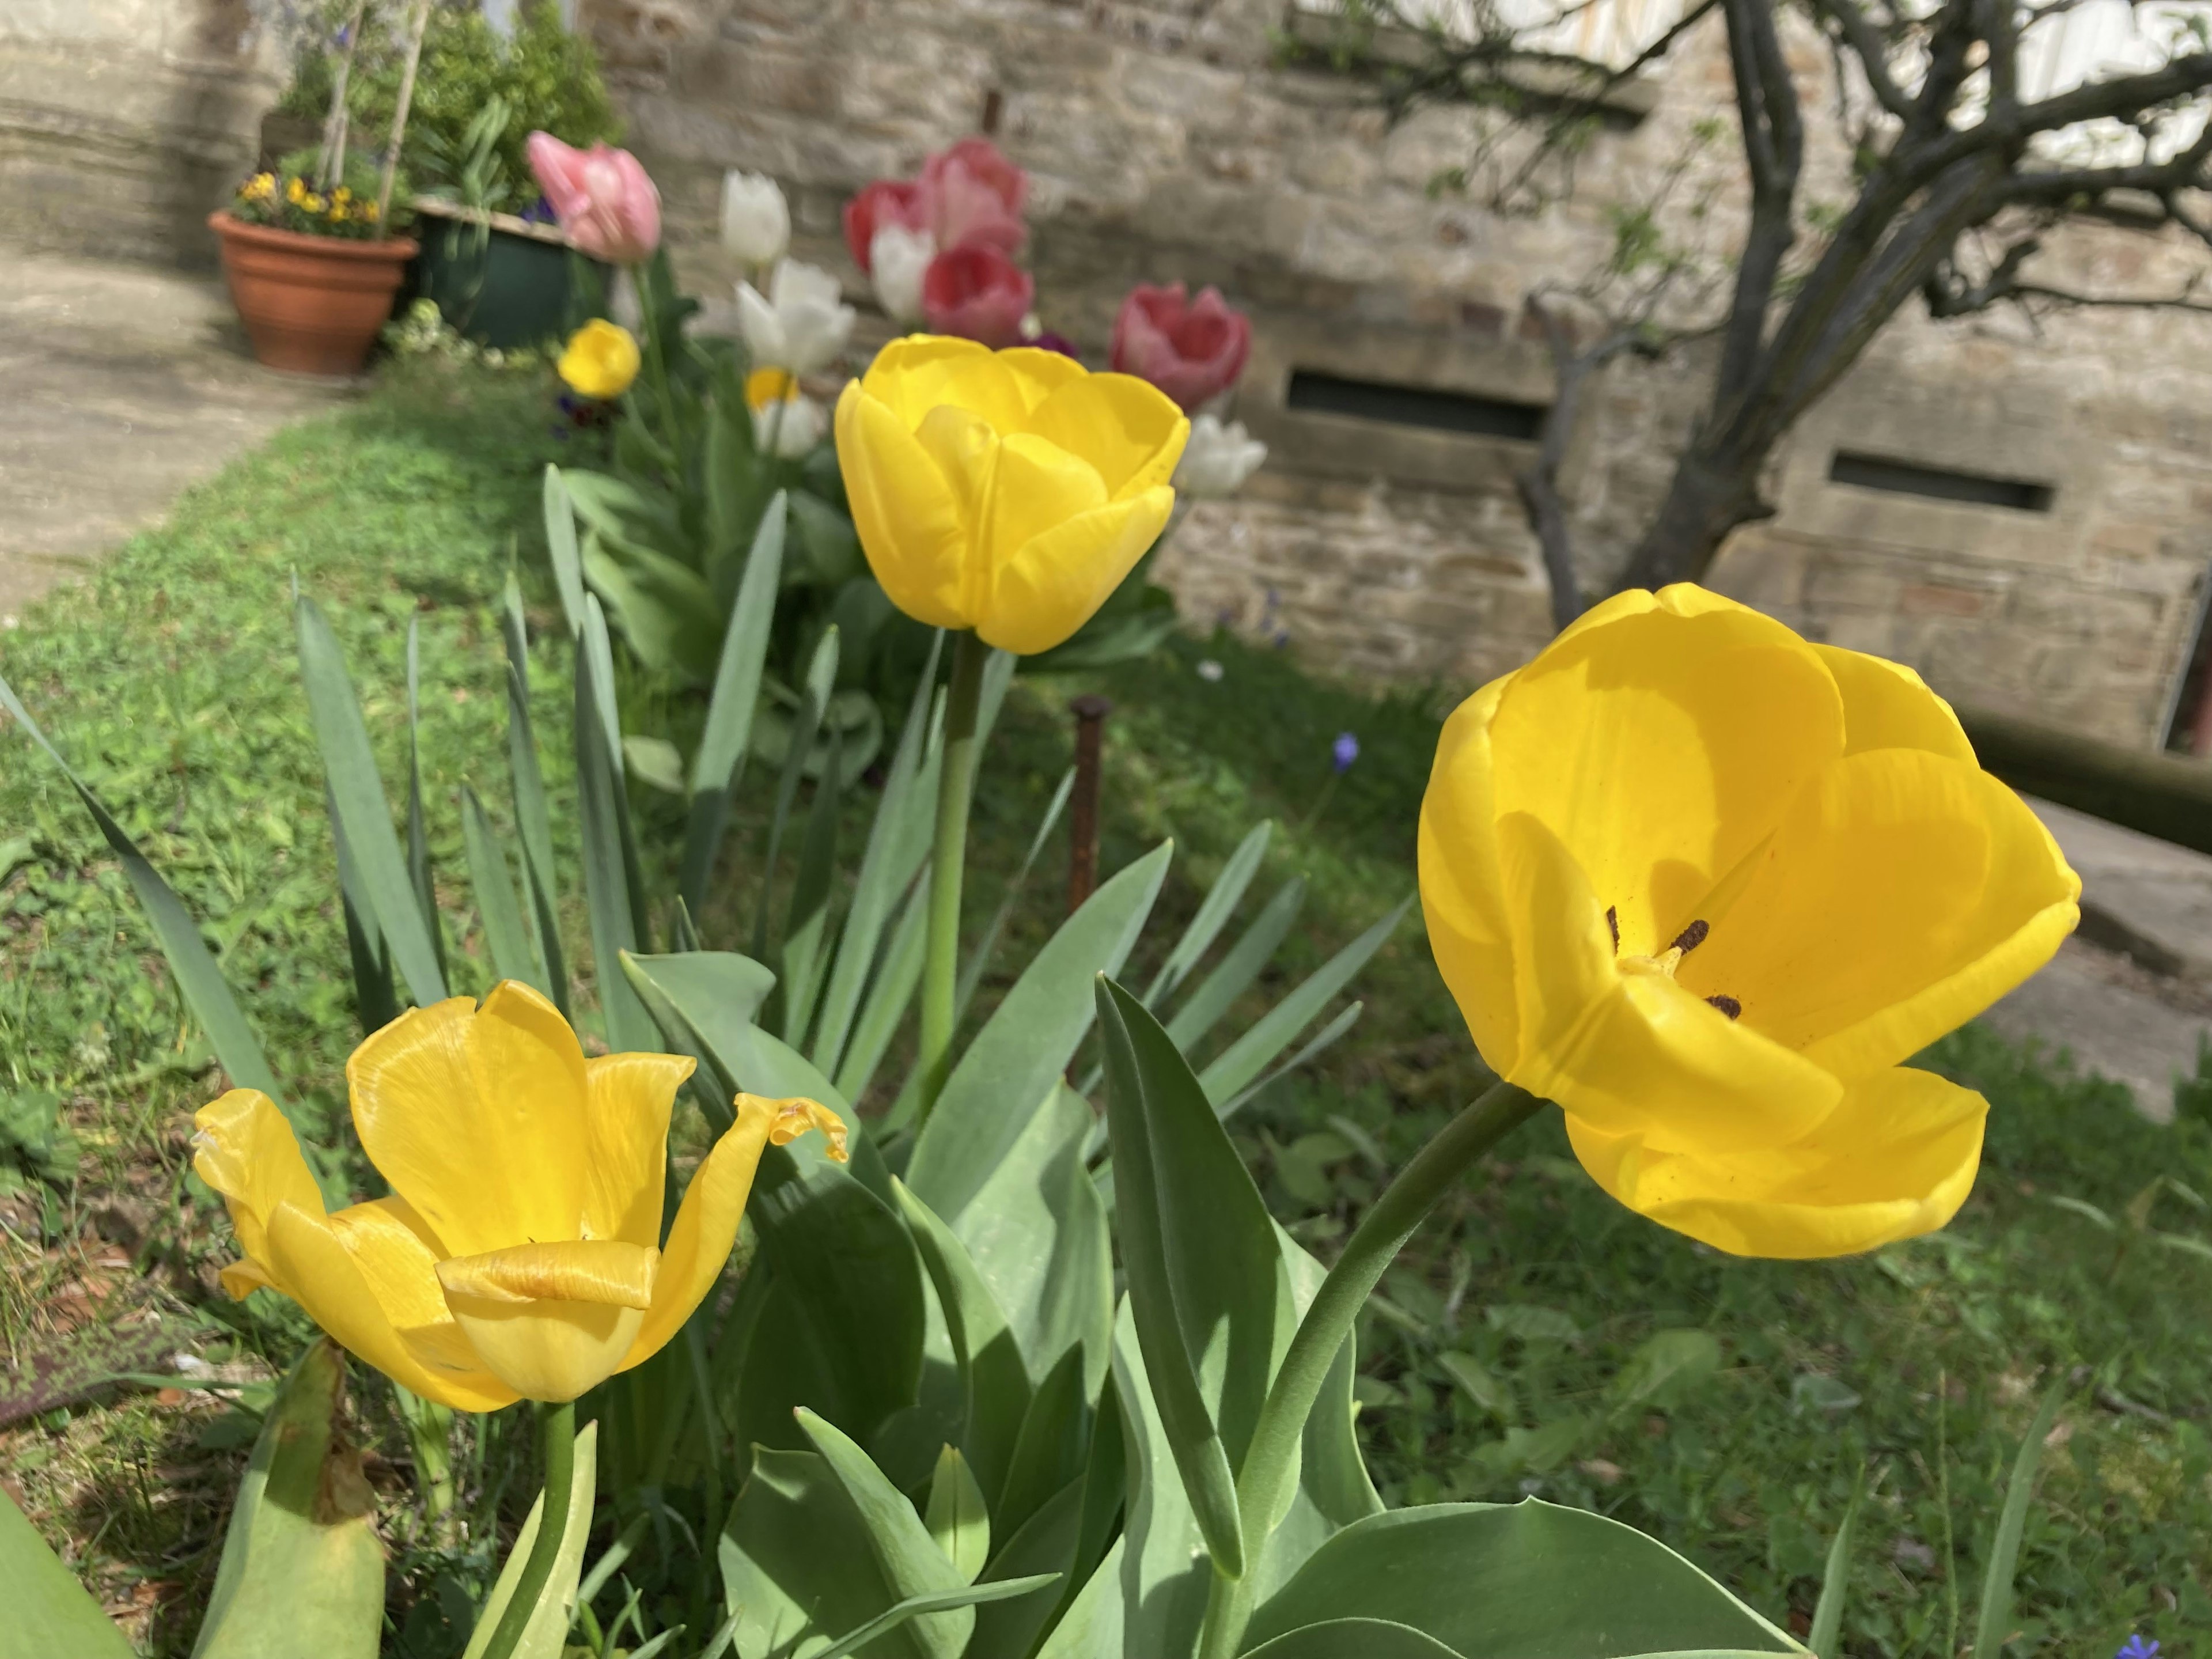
(1870, 49)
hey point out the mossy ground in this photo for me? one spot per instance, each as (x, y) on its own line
(170, 681)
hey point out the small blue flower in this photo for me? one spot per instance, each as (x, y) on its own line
(1344, 751)
(2136, 1648)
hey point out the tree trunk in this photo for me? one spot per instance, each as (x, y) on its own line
(1709, 495)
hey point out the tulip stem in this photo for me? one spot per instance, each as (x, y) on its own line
(955, 783)
(1271, 1461)
(557, 1423)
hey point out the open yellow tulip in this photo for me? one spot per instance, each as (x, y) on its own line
(1008, 492)
(1705, 885)
(600, 359)
(520, 1255)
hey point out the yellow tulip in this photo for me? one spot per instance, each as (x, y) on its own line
(600, 359)
(1005, 491)
(1705, 885)
(520, 1255)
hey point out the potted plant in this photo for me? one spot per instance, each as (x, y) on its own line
(307, 246)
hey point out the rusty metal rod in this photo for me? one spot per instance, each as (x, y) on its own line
(1090, 711)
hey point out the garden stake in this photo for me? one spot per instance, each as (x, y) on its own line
(1090, 711)
(399, 116)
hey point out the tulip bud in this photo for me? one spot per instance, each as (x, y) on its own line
(1192, 349)
(1218, 460)
(899, 258)
(801, 324)
(606, 205)
(755, 218)
(978, 293)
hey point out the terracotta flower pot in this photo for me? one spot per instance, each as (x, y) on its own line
(312, 305)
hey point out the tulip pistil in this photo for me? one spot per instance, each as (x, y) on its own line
(1668, 960)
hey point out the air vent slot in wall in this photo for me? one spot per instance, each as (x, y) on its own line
(1937, 483)
(1411, 405)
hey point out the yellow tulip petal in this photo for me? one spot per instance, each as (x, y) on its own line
(612, 1272)
(628, 1099)
(1902, 895)
(246, 1151)
(1055, 583)
(320, 1272)
(1038, 488)
(1627, 1048)
(476, 1116)
(1129, 430)
(244, 1277)
(1038, 374)
(1461, 897)
(1896, 1159)
(965, 448)
(1888, 706)
(909, 519)
(706, 1227)
(397, 1256)
(914, 375)
(1660, 747)
(552, 1321)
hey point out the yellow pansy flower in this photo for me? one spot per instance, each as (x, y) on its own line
(600, 359)
(519, 1254)
(295, 190)
(1705, 885)
(1005, 491)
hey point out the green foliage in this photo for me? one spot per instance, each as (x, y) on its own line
(547, 78)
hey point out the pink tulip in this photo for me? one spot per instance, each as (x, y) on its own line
(1190, 349)
(974, 195)
(978, 293)
(602, 197)
(888, 201)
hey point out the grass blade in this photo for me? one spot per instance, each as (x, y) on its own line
(1220, 903)
(533, 819)
(606, 892)
(561, 544)
(1835, 1582)
(979, 960)
(888, 994)
(729, 730)
(205, 991)
(1234, 972)
(881, 877)
(496, 904)
(1271, 1033)
(821, 681)
(1992, 1624)
(349, 765)
(418, 837)
(801, 982)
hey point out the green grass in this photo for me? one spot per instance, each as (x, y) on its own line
(170, 680)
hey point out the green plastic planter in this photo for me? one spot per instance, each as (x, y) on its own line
(500, 281)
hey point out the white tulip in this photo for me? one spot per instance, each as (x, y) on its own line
(898, 257)
(755, 219)
(1218, 458)
(789, 427)
(802, 324)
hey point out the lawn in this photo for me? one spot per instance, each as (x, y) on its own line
(1513, 1350)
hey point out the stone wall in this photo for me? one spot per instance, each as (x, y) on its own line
(1166, 141)
(125, 123)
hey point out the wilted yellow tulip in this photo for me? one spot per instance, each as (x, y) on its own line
(1705, 885)
(1005, 491)
(599, 360)
(520, 1255)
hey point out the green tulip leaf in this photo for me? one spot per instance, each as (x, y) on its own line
(728, 735)
(48, 1612)
(995, 1383)
(1038, 1235)
(1354, 1638)
(1234, 972)
(1026, 1045)
(561, 543)
(1040, 1555)
(1050, 1451)
(1494, 1580)
(545, 1637)
(1212, 914)
(604, 824)
(302, 1569)
(957, 1517)
(908, 1560)
(1209, 1293)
